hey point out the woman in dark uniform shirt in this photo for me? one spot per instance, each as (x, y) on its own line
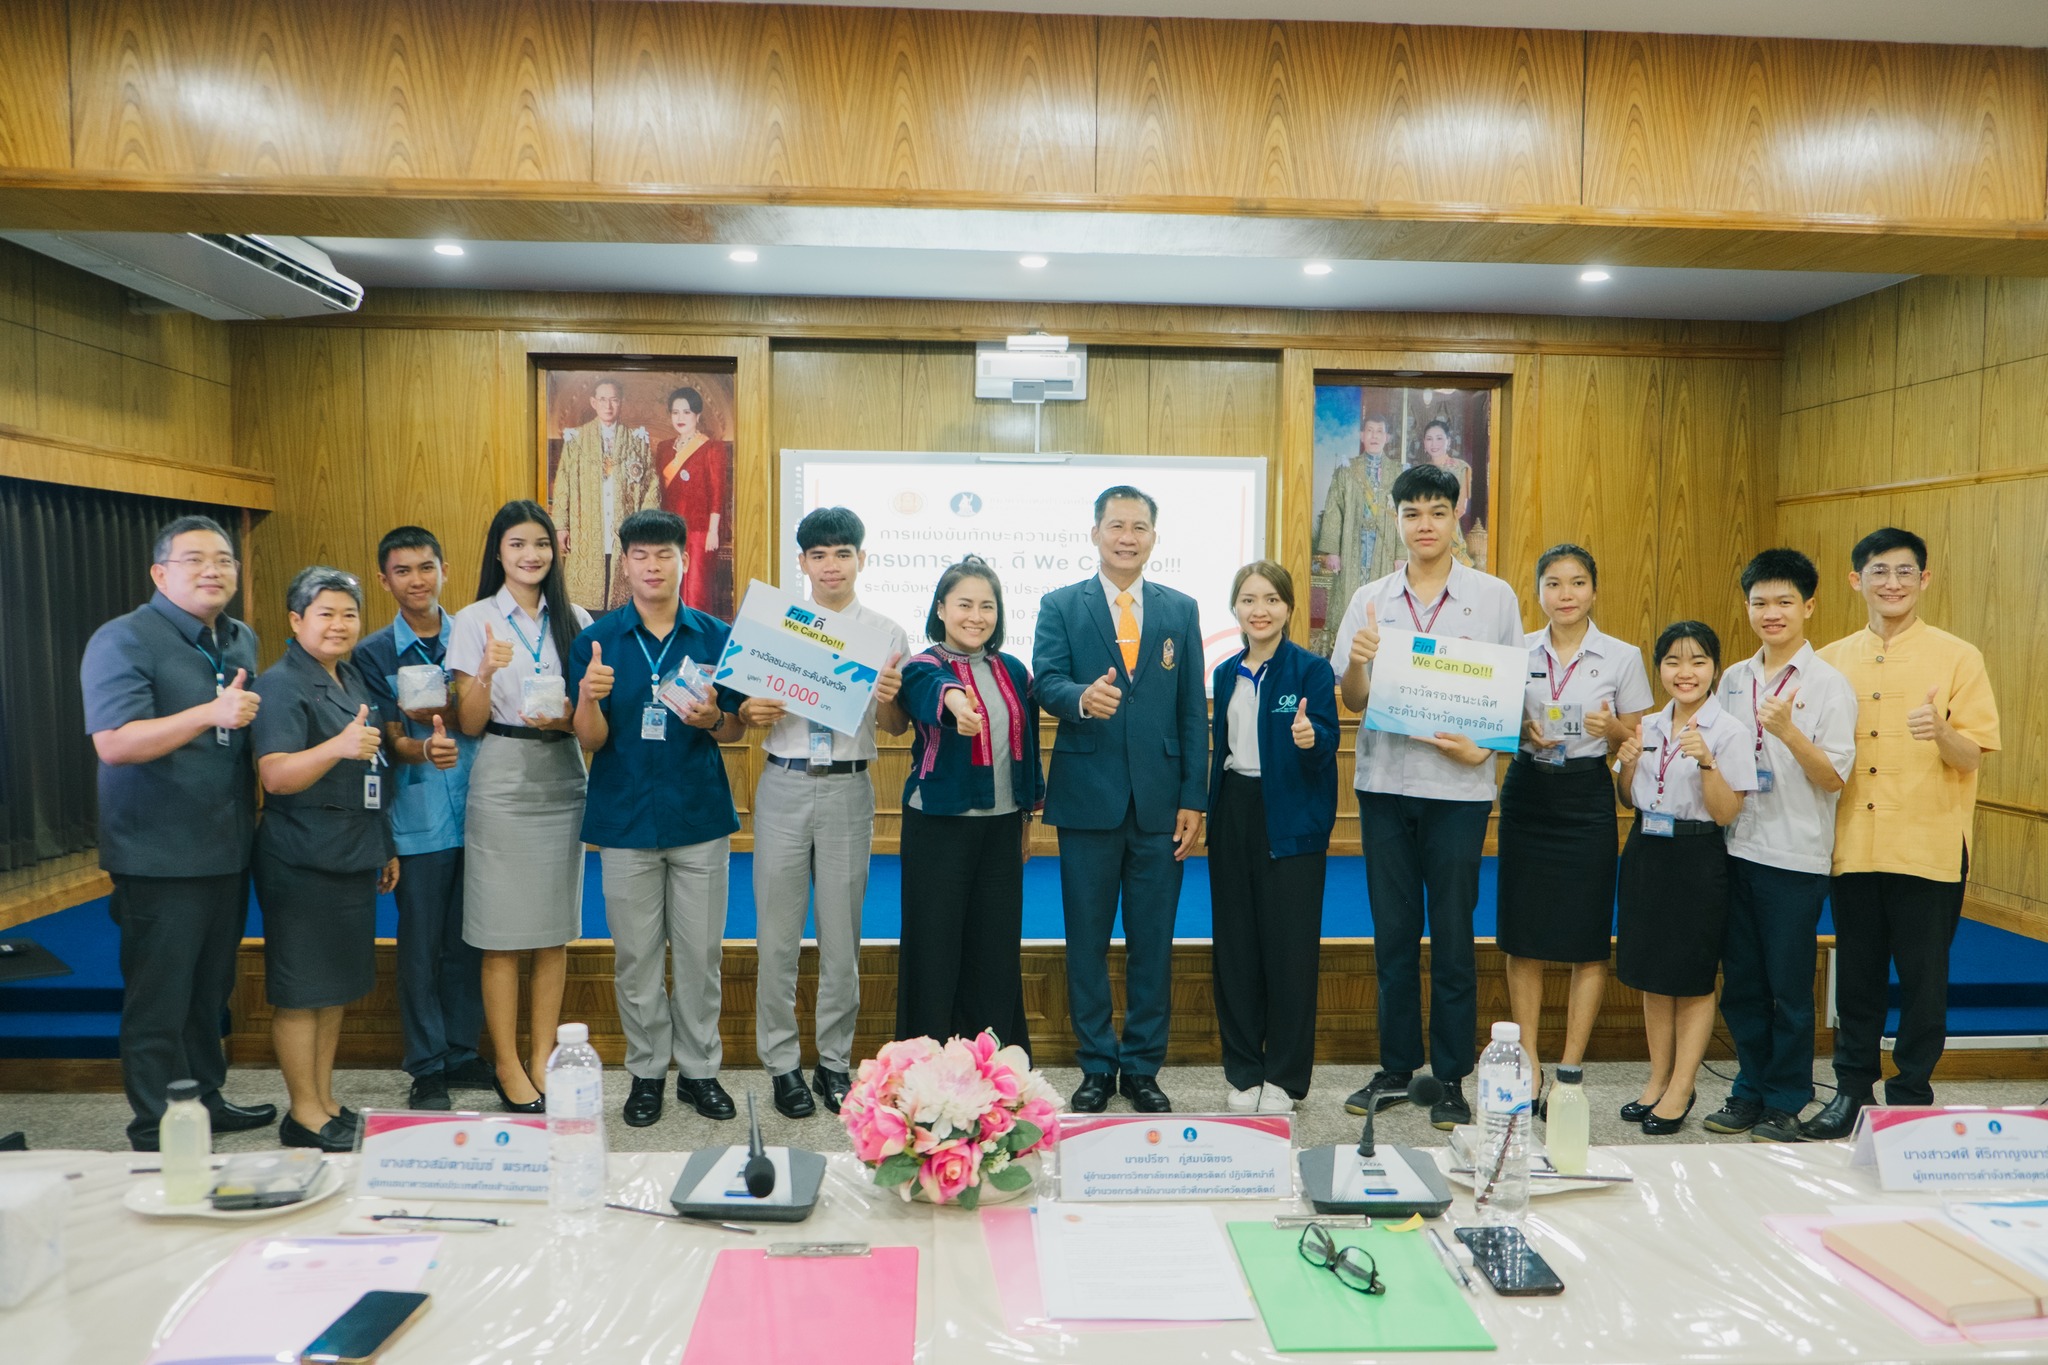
(323, 850)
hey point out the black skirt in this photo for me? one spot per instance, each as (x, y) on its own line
(1557, 870)
(319, 934)
(1674, 910)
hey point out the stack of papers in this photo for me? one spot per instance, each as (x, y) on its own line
(1127, 1263)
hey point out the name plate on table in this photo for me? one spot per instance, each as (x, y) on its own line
(1176, 1156)
(821, 665)
(409, 1155)
(1422, 684)
(1917, 1148)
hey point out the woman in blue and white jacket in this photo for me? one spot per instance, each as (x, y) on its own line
(1272, 804)
(974, 781)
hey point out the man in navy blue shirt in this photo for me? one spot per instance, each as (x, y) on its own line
(440, 977)
(660, 811)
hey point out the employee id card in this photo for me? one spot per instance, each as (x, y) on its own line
(1765, 780)
(373, 792)
(820, 751)
(1562, 720)
(1659, 823)
(654, 721)
(220, 732)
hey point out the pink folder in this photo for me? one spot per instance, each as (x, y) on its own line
(859, 1310)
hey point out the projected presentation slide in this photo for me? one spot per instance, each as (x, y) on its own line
(1028, 516)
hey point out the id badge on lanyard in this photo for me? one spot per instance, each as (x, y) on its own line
(820, 752)
(654, 721)
(1659, 824)
(373, 792)
(220, 732)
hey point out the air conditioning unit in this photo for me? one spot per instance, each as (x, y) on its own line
(230, 277)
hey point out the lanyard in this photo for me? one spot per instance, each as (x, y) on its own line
(656, 664)
(1664, 757)
(219, 661)
(1550, 671)
(1755, 707)
(419, 643)
(533, 647)
(1435, 612)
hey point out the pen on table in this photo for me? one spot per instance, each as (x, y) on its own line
(1443, 1250)
(437, 1218)
(679, 1218)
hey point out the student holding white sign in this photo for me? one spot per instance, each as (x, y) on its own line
(1423, 801)
(1685, 772)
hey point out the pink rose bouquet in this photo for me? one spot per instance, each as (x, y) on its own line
(951, 1118)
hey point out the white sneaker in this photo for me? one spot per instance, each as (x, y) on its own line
(1274, 1100)
(1245, 1101)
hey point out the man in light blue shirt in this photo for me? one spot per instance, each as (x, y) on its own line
(440, 988)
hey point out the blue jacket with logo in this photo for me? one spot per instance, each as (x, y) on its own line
(1299, 786)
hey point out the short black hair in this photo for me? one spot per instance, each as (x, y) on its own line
(1426, 483)
(830, 526)
(690, 396)
(653, 526)
(181, 526)
(407, 538)
(973, 566)
(1564, 550)
(1124, 490)
(308, 583)
(1699, 632)
(1782, 566)
(1884, 540)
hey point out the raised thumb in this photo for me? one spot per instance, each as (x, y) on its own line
(490, 635)
(1109, 674)
(1302, 709)
(596, 653)
(894, 659)
(362, 715)
(1372, 614)
(1932, 692)
(440, 730)
(241, 676)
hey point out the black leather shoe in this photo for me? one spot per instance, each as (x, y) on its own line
(1656, 1125)
(643, 1106)
(1144, 1094)
(707, 1097)
(350, 1117)
(143, 1142)
(1451, 1111)
(1836, 1120)
(240, 1118)
(792, 1096)
(474, 1074)
(831, 1086)
(1091, 1096)
(14, 1142)
(539, 1104)
(334, 1135)
(1635, 1111)
(1739, 1115)
(1384, 1089)
(428, 1092)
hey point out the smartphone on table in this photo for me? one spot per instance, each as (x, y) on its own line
(366, 1328)
(1503, 1255)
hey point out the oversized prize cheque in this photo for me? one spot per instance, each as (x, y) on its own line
(1423, 684)
(821, 665)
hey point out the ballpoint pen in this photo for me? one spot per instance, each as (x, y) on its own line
(1443, 1250)
(681, 1218)
(436, 1218)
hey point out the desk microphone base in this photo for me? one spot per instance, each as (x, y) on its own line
(806, 1175)
(1392, 1183)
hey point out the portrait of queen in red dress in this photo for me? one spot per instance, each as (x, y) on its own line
(695, 471)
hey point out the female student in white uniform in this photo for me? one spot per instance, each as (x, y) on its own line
(1586, 691)
(1685, 771)
(523, 869)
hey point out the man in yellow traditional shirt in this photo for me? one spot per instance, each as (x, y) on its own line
(1925, 720)
(606, 474)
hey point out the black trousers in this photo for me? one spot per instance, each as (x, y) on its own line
(1268, 917)
(440, 977)
(1882, 918)
(1422, 859)
(957, 971)
(178, 941)
(1767, 980)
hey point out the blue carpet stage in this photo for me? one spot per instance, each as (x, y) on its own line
(1999, 979)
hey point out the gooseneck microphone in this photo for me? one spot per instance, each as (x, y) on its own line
(759, 1172)
(1424, 1089)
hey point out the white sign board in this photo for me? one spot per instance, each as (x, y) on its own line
(1175, 1156)
(1424, 684)
(1922, 1148)
(411, 1155)
(820, 665)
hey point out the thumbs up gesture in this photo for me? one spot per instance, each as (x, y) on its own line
(1775, 714)
(235, 707)
(1303, 729)
(1365, 644)
(1693, 745)
(1923, 721)
(891, 680)
(441, 751)
(1599, 723)
(1102, 696)
(1631, 748)
(497, 654)
(966, 717)
(358, 740)
(598, 678)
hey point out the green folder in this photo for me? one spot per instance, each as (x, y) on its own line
(1307, 1309)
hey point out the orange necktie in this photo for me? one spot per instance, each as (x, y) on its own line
(1127, 632)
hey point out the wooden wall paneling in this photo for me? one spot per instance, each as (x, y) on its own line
(35, 127)
(78, 391)
(18, 284)
(1845, 444)
(1118, 416)
(1364, 113)
(2015, 415)
(940, 411)
(1713, 499)
(1936, 427)
(2015, 319)
(17, 375)
(1777, 126)
(799, 95)
(1846, 351)
(838, 396)
(1941, 327)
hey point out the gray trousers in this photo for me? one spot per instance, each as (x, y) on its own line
(672, 897)
(809, 831)
(178, 942)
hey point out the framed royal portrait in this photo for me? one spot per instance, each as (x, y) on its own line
(1368, 428)
(617, 436)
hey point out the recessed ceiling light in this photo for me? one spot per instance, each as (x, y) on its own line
(745, 255)
(447, 249)
(1032, 262)
(1594, 276)
(1316, 268)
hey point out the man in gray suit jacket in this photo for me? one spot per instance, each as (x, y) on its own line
(1119, 663)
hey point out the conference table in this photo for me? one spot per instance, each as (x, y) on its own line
(1677, 1266)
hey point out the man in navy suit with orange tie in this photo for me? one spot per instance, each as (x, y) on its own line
(1119, 663)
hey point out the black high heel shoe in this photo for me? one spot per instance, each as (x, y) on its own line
(538, 1105)
(1658, 1126)
(1635, 1111)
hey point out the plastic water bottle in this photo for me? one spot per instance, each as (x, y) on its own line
(1564, 1133)
(184, 1137)
(575, 1122)
(1502, 1178)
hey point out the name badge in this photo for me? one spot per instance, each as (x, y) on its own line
(654, 721)
(1659, 824)
(1550, 758)
(220, 732)
(373, 792)
(821, 748)
(1564, 720)
(1764, 780)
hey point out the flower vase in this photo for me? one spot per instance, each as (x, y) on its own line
(990, 1195)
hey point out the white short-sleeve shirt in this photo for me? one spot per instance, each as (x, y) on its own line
(1793, 824)
(1603, 669)
(1475, 606)
(533, 649)
(790, 737)
(1667, 779)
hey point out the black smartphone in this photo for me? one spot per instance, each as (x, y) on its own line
(1503, 1255)
(365, 1329)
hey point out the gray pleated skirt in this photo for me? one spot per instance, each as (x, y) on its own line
(523, 873)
